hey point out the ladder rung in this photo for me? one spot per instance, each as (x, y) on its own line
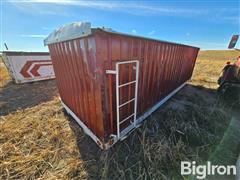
(126, 118)
(127, 83)
(126, 102)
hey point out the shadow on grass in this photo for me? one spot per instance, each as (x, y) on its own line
(21, 96)
(188, 127)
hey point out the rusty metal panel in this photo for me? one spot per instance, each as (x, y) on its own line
(164, 67)
(28, 66)
(80, 66)
(77, 80)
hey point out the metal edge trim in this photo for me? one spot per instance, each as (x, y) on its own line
(146, 38)
(106, 146)
(102, 145)
(156, 106)
(17, 81)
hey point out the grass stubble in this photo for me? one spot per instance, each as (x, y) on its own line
(39, 142)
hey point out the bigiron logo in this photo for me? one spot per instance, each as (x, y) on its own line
(201, 171)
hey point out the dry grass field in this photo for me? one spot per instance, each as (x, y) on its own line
(209, 66)
(4, 75)
(38, 140)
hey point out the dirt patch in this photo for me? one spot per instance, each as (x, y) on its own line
(21, 96)
(186, 98)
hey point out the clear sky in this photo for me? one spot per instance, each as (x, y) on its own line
(206, 24)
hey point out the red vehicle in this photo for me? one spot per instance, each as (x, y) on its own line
(229, 81)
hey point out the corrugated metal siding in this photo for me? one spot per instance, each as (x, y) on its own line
(163, 68)
(80, 66)
(79, 87)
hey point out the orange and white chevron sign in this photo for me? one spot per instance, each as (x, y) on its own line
(30, 67)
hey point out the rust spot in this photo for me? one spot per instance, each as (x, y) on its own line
(111, 141)
(99, 143)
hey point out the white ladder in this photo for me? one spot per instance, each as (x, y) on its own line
(121, 133)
